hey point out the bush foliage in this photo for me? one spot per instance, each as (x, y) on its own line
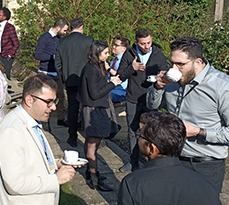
(105, 19)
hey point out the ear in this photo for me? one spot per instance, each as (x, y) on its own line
(58, 28)
(199, 61)
(29, 100)
(153, 151)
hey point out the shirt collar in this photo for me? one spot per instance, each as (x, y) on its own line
(119, 56)
(140, 53)
(52, 33)
(3, 23)
(202, 74)
(31, 122)
(162, 162)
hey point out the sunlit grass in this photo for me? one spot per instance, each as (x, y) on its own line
(68, 198)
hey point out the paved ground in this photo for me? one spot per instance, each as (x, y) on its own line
(110, 159)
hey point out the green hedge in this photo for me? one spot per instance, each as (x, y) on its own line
(105, 19)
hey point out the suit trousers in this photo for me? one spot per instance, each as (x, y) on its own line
(7, 63)
(133, 114)
(73, 111)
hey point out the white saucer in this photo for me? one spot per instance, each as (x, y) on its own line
(80, 161)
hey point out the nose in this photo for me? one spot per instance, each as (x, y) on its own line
(53, 107)
(147, 46)
(175, 67)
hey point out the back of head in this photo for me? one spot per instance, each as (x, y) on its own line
(142, 33)
(60, 23)
(166, 131)
(76, 23)
(190, 45)
(6, 12)
(35, 84)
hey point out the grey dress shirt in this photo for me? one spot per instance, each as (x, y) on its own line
(204, 103)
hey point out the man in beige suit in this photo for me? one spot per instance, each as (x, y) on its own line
(28, 172)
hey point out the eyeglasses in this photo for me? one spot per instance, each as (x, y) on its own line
(116, 45)
(139, 135)
(179, 64)
(48, 102)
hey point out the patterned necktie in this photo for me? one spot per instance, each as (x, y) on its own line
(114, 62)
(37, 130)
(179, 100)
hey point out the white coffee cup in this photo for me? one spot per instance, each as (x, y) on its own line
(71, 156)
(173, 75)
(152, 78)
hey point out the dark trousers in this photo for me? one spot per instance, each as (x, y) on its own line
(212, 170)
(7, 63)
(60, 94)
(73, 111)
(133, 114)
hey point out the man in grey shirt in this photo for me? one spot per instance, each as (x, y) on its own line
(200, 98)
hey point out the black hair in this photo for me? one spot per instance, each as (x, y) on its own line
(76, 23)
(124, 41)
(190, 45)
(166, 131)
(60, 22)
(6, 12)
(95, 50)
(142, 33)
(35, 84)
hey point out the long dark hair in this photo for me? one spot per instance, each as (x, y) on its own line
(95, 50)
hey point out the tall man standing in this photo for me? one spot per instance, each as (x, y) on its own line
(142, 60)
(9, 42)
(71, 57)
(45, 52)
(200, 99)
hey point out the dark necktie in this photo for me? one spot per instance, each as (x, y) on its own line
(114, 62)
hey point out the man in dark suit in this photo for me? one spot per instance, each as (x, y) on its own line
(9, 43)
(71, 57)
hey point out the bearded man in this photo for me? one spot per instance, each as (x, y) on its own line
(200, 98)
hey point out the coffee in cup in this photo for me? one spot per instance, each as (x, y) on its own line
(173, 75)
(71, 156)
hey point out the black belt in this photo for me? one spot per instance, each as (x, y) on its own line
(198, 159)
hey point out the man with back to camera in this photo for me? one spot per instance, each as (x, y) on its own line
(28, 171)
(9, 42)
(163, 180)
(200, 98)
(143, 59)
(45, 53)
(71, 57)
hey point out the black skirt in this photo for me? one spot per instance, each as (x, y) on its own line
(100, 122)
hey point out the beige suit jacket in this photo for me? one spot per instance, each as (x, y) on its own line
(25, 178)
